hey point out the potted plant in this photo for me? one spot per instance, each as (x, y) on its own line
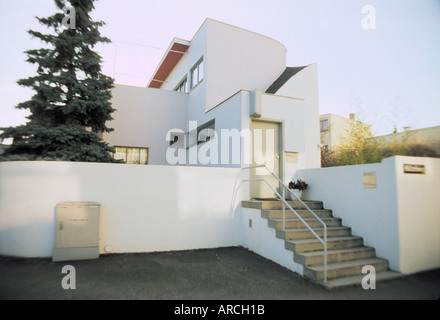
(296, 188)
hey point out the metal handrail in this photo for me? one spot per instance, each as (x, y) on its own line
(282, 198)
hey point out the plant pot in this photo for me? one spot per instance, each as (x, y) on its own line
(297, 192)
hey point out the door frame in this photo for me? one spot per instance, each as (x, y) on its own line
(281, 130)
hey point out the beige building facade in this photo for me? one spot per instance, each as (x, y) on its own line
(334, 130)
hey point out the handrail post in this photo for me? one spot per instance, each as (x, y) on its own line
(284, 208)
(325, 253)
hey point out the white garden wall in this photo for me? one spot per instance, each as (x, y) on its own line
(162, 208)
(400, 217)
(419, 214)
(143, 208)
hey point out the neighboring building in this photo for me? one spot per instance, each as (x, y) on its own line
(428, 137)
(335, 129)
(225, 98)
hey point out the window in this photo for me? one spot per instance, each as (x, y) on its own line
(203, 133)
(177, 139)
(131, 155)
(192, 137)
(197, 73)
(182, 86)
(206, 131)
(324, 125)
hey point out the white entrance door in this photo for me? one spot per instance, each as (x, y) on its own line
(265, 150)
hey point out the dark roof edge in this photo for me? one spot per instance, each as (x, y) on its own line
(288, 73)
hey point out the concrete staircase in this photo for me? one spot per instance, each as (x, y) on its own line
(346, 253)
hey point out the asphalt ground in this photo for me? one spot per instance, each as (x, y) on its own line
(210, 274)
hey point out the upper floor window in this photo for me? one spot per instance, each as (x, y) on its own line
(182, 86)
(197, 73)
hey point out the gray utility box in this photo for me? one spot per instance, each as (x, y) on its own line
(77, 231)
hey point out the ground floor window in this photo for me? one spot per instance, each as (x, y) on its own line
(131, 155)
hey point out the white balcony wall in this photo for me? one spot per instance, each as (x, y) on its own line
(228, 124)
(143, 118)
(304, 85)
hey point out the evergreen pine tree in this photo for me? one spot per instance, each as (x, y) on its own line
(71, 103)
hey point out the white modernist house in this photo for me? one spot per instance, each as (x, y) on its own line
(224, 98)
(215, 105)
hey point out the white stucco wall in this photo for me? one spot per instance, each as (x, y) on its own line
(143, 208)
(143, 118)
(234, 59)
(228, 117)
(239, 59)
(304, 85)
(400, 218)
(261, 239)
(419, 214)
(296, 105)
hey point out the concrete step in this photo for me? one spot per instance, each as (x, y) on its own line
(344, 269)
(357, 280)
(334, 256)
(278, 214)
(296, 223)
(304, 233)
(333, 243)
(278, 204)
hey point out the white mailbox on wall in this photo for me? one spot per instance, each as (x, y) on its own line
(77, 231)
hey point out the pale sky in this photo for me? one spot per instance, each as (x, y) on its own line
(388, 75)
